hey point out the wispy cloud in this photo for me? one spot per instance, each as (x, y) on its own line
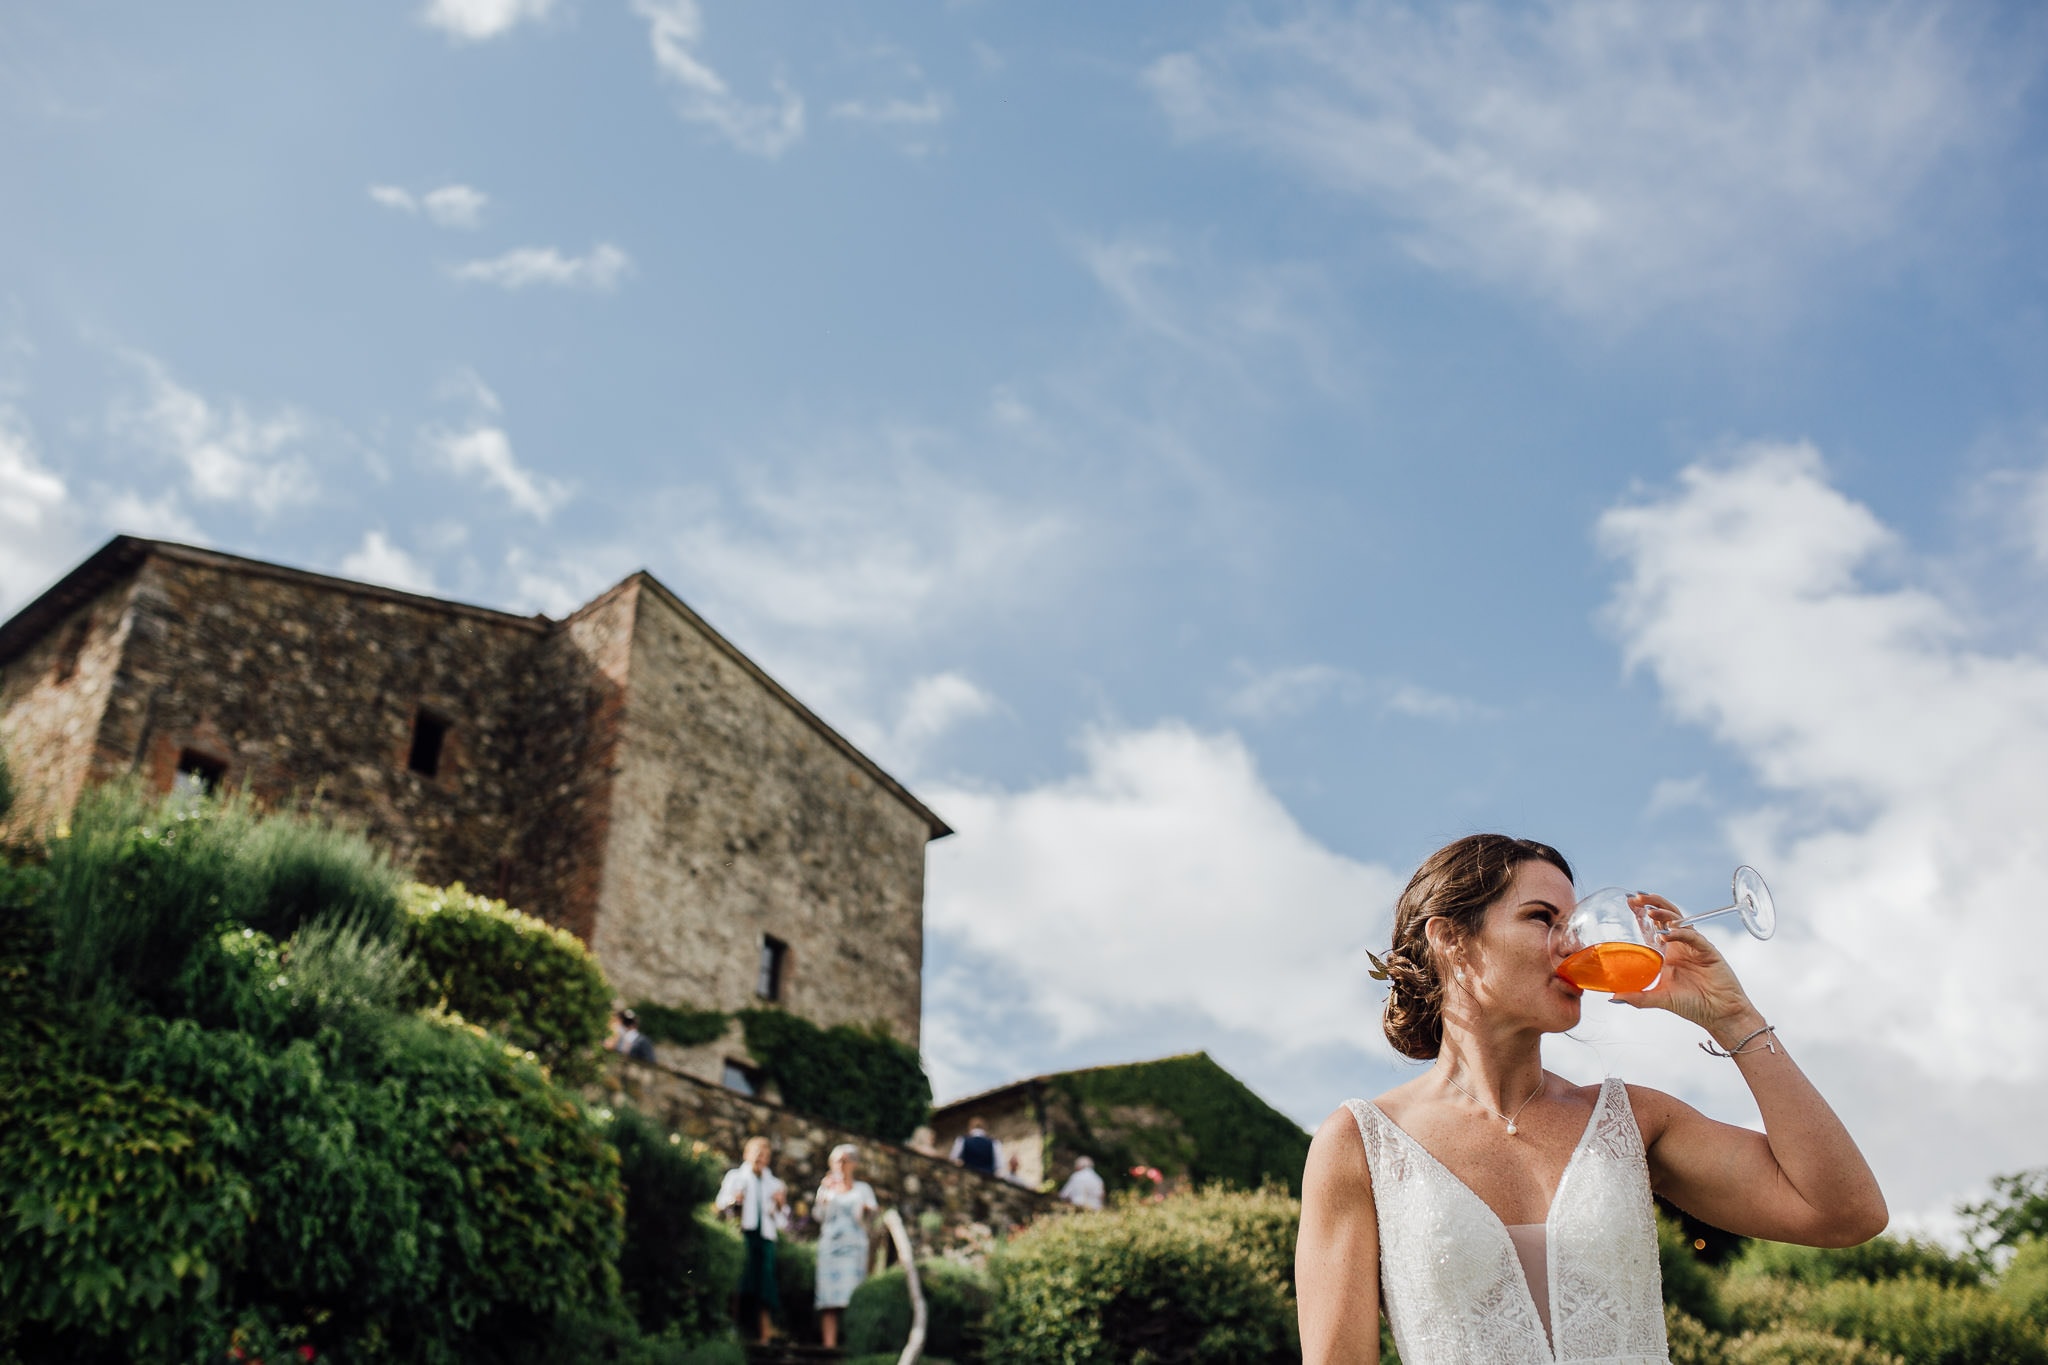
(473, 21)
(38, 532)
(1278, 693)
(1615, 157)
(675, 30)
(601, 269)
(377, 560)
(449, 206)
(482, 449)
(230, 453)
(928, 108)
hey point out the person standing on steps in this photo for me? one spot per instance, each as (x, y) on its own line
(762, 1202)
(976, 1150)
(841, 1210)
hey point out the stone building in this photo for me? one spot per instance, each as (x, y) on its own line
(625, 772)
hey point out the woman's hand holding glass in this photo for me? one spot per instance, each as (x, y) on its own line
(1697, 983)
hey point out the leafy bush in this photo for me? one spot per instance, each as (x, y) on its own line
(1688, 1283)
(300, 870)
(677, 1269)
(2024, 1284)
(683, 1027)
(957, 1300)
(1265, 1222)
(1881, 1258)
(519, 976)
(1800, 1346)
(1691, 1341)
(1926, 1322)
(1135, 1284)
(2017, 1210)
(1210, 1127)
(862, 1079)
(796, 1280)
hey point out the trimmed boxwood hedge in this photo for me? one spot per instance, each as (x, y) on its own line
(957, 1301)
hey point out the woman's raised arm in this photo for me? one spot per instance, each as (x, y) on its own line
(1337, 1255)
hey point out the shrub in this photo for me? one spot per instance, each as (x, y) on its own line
(301, 871)
(1926, 1322)
(957, 1300)
(683, 1027)
(1691, 1341)
(1800, 1346)
(1881, 1258)
(862, 1079)
(519, 976)
(671, 1266)
(2017, 1210)
(796, 1279)
(1209, 1126)
(1264, 1222)
(1688, 1283)
(2024, 1284)
(1135, 1285)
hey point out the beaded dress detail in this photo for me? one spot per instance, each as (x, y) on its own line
(1451, 1281)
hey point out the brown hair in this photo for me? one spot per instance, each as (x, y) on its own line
(1457, 882)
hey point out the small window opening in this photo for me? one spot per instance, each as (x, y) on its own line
(198, 774)
(774, 959)
(429, 735)
(741, 1077)
(72, 646)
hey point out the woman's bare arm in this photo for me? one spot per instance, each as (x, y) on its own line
(1801, 1179)
(1337, 1255)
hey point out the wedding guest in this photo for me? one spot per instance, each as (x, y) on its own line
(976, 1150)
(1084, 1189)
(763, 1204)
(841, 1209)
(627, 1037)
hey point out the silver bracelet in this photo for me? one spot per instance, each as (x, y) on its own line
(1743, 1046)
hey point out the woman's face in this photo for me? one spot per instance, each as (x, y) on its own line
(842, 1166)
(1510, 969)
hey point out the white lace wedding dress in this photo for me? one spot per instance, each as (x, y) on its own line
(1453, 1285)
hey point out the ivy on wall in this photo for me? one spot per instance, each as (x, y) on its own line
(1184, 1115)
(858, 1078)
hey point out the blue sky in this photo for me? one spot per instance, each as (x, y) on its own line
(1214, 455)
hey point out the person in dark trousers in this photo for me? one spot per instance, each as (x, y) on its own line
(760, 1199)
(976, 1150)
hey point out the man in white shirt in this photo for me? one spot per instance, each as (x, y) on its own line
(763, 1204)
(1084, 1189)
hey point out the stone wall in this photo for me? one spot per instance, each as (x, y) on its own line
(735, 814)
(53, 696)
(965, 1206)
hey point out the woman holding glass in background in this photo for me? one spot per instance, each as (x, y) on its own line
(841, 1210)
(1501, 1213)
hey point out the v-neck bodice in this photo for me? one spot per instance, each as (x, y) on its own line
(1453, 1285)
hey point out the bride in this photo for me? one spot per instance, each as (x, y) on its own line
(1501, 1213)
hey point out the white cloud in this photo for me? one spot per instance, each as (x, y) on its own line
(230, 454)
(1677, 793)
(38, 532)
(601, 269)
(1287, 691)
(935, 706)
(1165, 877)
(162, 517)
(486, 451)
(675, 28)
(928, 108)
(870, 550)
(1903, 835)
(1614, 157)
(450, 206)
(559, 584)
(377, 560)
(474, 21)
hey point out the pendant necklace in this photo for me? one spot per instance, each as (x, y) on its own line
(1510, 1122)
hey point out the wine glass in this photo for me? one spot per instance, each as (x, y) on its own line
(1608, 944)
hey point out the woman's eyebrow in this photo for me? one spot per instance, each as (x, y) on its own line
(1545, 904)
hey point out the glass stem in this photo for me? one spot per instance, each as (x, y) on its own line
(1708, 914)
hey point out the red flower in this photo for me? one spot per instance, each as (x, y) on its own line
(306, 1352)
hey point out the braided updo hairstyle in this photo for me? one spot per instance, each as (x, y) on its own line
(1458, 882)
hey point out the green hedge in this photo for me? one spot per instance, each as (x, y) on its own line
(2024, 1284)
(1137, 1283)
(1926, 1322)
(957, 1303)
(1689, 1284)
(1881, 1258)
(862, 1079)
(796, 1279)
(676, 1268)
(537, 985)
(1206, 1125)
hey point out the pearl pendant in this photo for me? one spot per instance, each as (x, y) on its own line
(1511, 1130)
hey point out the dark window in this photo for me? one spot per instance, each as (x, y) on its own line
(198, 774)
(741, 1077)
(429, 734)
(72, 647)
(774, 960)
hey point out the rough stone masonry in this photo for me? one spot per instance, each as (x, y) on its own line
(625, 772)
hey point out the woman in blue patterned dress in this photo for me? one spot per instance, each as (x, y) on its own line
(841, 1210)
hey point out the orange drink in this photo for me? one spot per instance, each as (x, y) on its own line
(1612, 967)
